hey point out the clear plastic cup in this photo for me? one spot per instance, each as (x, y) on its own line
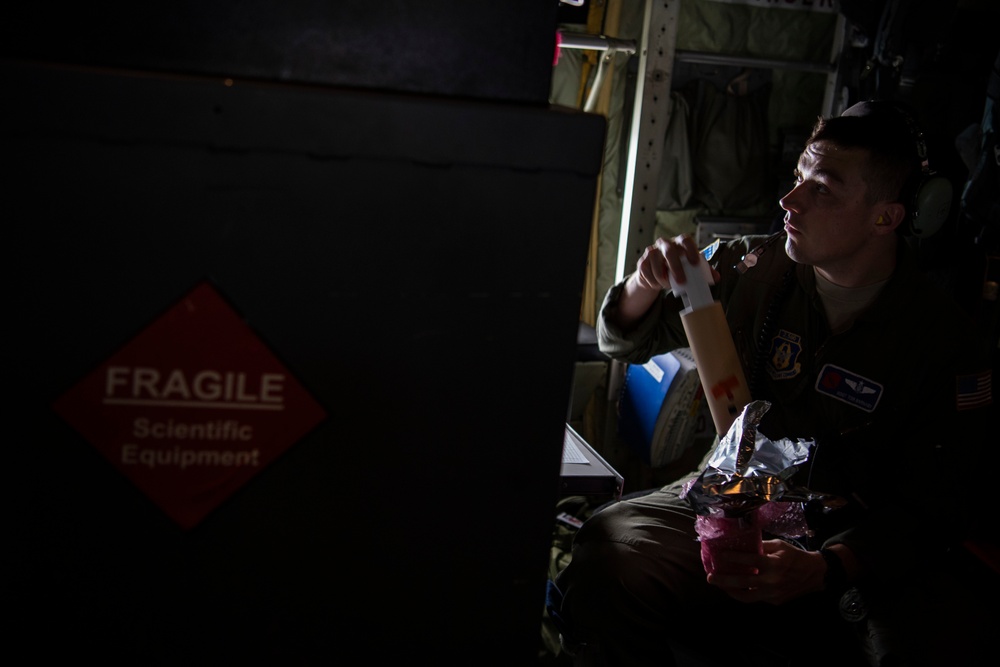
(722, 533)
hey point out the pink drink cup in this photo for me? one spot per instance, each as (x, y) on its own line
(728, 534)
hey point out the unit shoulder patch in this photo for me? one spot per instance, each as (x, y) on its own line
(783, 357)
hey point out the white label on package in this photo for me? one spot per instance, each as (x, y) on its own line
(654, 369)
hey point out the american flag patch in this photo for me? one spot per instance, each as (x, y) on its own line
(973, 391)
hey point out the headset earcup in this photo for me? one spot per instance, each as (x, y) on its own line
(932, 206)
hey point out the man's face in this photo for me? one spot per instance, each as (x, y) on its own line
(828, 218)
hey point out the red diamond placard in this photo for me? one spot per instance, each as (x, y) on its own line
(191, 408)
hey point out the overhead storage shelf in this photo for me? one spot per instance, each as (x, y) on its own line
(704, 58)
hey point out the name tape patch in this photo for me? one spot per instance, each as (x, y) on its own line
(849, 387)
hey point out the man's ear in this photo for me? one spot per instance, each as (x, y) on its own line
(890, 217)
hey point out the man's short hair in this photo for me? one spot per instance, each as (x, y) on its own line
(889, 133)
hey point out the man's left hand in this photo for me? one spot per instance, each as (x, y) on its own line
(783, 573)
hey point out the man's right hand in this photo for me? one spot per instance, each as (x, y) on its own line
(660, 263)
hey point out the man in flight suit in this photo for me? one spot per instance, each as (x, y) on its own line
(855, 350)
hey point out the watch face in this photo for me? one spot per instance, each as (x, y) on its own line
(852, 605)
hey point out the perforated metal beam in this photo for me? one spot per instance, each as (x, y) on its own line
(650, 117)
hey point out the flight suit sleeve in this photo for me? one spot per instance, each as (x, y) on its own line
(658, 332)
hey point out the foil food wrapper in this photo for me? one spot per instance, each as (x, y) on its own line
(748, 470)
